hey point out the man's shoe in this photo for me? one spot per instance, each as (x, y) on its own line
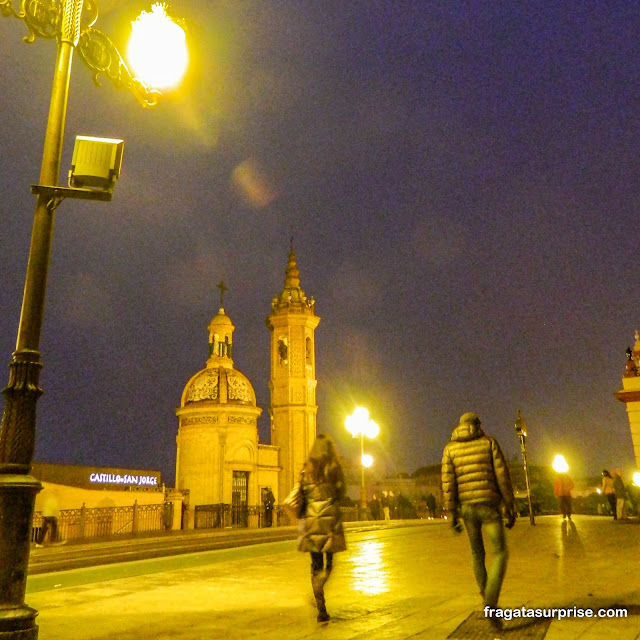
(39, 546)
(323, 616)
(495, 624)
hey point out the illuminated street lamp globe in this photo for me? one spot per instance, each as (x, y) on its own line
(636, 478)
(367, 460)
(157, 49)
(359, 424)
(560, 464)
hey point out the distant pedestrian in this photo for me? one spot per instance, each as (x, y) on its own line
(268, 500)
(385, 505)
(393, 505)
(609, 492)
(323, 486)
(475, 483)
(50, 514)
(375, 507)
(431, 505)
(621, 495)
(562, 487)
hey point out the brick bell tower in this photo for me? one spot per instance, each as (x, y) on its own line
(293, 408)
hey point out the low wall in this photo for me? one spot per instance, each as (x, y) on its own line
(74, 497)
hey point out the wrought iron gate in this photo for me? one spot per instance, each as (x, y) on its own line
(240, 499)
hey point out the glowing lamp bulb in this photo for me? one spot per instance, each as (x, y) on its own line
(560, 464)
(359, 424)
(157, 49)
(367, 460)
(636, 478)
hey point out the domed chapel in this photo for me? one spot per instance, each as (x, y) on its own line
(220, 460)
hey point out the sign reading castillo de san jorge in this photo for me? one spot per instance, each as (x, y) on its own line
(117, 478)
(111, 478)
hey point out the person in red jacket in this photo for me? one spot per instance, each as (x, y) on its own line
(562, 487)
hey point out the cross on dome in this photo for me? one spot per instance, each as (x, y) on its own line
(223, 289)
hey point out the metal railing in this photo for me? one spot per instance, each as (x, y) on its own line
(104, 522)
(223, 516)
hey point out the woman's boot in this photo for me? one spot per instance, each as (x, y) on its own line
(318, 578)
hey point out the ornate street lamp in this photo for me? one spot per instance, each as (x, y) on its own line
(70, 22)
(359, 424)
(521, 430)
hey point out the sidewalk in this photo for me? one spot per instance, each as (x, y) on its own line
(392, 583)
(89, 553)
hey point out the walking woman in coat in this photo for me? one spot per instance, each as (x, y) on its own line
(321, 533)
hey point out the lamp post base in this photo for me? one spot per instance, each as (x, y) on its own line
(17, 500)
(19, 620)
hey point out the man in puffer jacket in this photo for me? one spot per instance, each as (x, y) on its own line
(475, 483)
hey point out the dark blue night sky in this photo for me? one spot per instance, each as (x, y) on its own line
(462, 183)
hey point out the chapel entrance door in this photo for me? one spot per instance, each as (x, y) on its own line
(240, 499)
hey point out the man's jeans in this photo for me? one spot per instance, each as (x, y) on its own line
(484, 516)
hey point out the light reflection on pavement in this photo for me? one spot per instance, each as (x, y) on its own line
(369, 572)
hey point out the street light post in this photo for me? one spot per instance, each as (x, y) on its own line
(359, 424)
(521, 430)
(18, 489)
(363, 491)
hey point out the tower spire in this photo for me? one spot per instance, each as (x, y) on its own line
(292, 297)
(292, 274)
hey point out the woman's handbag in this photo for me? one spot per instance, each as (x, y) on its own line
(294, 503)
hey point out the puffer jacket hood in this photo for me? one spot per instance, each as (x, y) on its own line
(466, 432)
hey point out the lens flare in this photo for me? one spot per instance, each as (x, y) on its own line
(249, 180)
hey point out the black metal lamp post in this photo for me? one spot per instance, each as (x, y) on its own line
(70, 23)
(521, 430)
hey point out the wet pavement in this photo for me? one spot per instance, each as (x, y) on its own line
(392, 583)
